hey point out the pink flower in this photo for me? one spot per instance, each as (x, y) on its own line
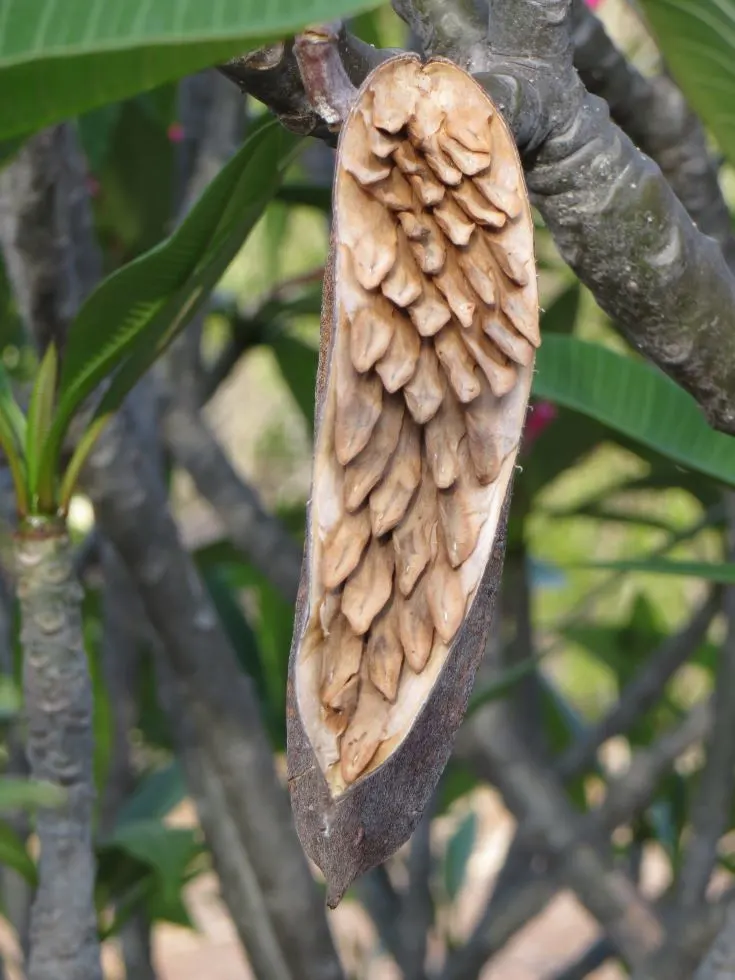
(176, 132)
(539, 418)
(593, 4)
(93, 186)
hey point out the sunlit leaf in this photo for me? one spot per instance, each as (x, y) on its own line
(145, 304)
(697, 38)
(635, 399)
(59, 58)
(722, 573)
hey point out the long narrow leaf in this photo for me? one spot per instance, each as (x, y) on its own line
(59, 58)
(10, 409)
(720, 572)
(40, 414)
(142, 306)
(635, 399)
(697, 38)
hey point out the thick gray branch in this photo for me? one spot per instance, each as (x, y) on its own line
(44, 207)
(655, 114)
(612, 213)
(58, 701)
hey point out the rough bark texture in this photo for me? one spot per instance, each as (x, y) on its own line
(612, 213)
(655, 115)
(58, 699)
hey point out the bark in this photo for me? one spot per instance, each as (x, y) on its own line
(58, 698)
(243, 809)
(655, 114)
(240, 801)
(612, 213)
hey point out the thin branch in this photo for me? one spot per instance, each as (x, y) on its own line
(655, 114)
(712, 806)
(418, 906)
(632, 792)
(326, 84)
(272, 76)
(383, 904)
(257, 534)
(243, 808)
(642, 692)
(719, 964)
(627, 796)
(587, 962)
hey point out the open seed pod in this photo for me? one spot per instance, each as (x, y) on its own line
(429, 330)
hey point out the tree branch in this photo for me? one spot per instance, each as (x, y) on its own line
(627, 796)
(243, 809)
(40, 213)
(655, 114)
(642, 692)
(58, 704)
(449, 29)
(712, 806)
(612, 213)
(417, 906)
(719, 964)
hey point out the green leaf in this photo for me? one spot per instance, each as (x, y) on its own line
(28, 794)
(59, 58)
(13, 854)
(156, 795)
(136, 175)
(307, 195)
(11, 699)
(10, 410)
(168, 850)
(459, 851)
(561, 316)
(298, 363)
(697, 38)
(96, 131)
(635, 399)
(12, 438)
(40, 414)
(503, 685)
(722, 573)
(145, 304)
(148, 863)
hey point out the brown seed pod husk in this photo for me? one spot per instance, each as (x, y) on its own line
(429, 328)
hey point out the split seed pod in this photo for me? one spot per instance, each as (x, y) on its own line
(429, 329)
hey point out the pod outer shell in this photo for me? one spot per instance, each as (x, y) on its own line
(348, 835)
(360, 829)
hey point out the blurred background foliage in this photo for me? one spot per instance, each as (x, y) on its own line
(617, 466)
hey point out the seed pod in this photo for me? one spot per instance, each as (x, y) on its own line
(429, 329)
